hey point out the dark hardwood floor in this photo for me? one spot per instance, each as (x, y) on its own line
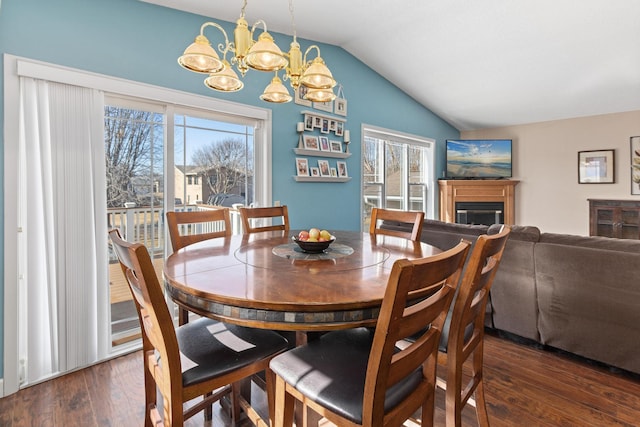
(525, 386)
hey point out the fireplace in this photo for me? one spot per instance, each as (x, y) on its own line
(485, 213)
(483, 191)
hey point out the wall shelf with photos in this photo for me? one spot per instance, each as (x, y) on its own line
(316, 153)
(323, 172)
(321, 179)
(326, 116)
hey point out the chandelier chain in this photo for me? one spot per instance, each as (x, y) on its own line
(244, 6)
(293, 22)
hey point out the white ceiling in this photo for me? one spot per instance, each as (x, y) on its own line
(477, 64)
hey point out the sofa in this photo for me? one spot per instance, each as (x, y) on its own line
(573, 293)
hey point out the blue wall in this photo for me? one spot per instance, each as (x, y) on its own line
(141, 42)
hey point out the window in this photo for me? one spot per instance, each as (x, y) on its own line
(397, 172)
(220, 151)
(139, 179)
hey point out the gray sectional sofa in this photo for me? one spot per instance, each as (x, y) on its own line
(573, 293)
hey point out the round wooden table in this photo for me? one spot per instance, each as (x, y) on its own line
(264, 280)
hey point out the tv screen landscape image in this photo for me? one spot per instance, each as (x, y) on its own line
(478, 158)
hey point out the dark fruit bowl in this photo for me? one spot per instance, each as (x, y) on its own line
(313, 247)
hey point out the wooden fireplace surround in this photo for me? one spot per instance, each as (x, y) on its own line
(477, 190)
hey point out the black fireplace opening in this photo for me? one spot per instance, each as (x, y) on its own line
(484, 213)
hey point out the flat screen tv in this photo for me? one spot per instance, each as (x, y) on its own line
(478, 158)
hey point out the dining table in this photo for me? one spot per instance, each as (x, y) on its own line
(266, 280)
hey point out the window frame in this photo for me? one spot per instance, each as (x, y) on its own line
(401, 137)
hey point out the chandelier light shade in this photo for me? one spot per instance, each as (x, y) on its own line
(200, 57)
(276, 92)
(318, 75)
(265, 55)
(261, 55)
(320, 95)
(224, 81)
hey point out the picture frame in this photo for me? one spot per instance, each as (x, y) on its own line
(299, 95)
(334, 173)
(314, 171)
(596, 167)
(323, 165)
(308, 122)
(635, 164)
(311, 142)
(324, 143)
(325, 126)
(323, 106)
(332, 125)
(302, 166)
(340, 106)
(317, 122)
(342, 169)
(339, 128)
(336, 146)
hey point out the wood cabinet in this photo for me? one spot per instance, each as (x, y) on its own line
(477, 190)
(614, 218)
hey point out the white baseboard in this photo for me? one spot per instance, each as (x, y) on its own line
(1, 387)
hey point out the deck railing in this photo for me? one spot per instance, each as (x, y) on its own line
(146, 224)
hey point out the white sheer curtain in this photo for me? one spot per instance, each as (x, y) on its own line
(64, 317)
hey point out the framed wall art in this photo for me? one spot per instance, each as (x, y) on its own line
(342, 169)
(596, 167)
(325, 170)
(302, 166)
(635, 165)
(299, 95)
(311, 142)
(324, 143)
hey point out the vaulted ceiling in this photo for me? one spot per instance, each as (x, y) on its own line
(475, 63)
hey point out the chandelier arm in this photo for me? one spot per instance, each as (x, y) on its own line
(304, 61)
(222, 48)
(253, 28)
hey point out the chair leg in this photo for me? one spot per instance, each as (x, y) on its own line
(428, 410)
(234, 397)
(270, 388)
(284, 405)
(453, 405)
(481, 406)
(208, 411)
(150, 397)
(183, 316)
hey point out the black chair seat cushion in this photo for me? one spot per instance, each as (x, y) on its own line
(209, 348)
(332, 369)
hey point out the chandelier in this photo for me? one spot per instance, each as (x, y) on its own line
(260, 55)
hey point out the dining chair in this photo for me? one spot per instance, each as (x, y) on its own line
(413, 218)
(249, 215)
(192, 360)
(463, 335)
(358, 377)
(199, 226)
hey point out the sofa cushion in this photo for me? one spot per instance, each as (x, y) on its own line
(588, 297)
(445, 235)
(514, 303)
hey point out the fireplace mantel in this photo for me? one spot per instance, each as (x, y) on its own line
(477, 190)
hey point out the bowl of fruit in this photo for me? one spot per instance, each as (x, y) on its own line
(314, 241)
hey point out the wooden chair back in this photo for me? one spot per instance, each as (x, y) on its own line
(179, 221)
(408, 217)
(156, 324)
(465, 336)
(418, 293)
(249, 215)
